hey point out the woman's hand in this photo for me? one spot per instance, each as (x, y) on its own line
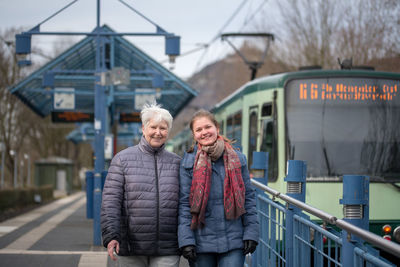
(189, 252)
(112, 246)
(249, 246)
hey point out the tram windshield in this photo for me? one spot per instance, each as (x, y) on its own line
(345, 126)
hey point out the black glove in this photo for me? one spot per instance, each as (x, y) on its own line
(189, 252)
(249, 246)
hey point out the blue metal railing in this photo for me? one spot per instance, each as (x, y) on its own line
(362, 258)
(325, 246)
(289, 238)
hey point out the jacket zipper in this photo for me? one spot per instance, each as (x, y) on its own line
(158, 202)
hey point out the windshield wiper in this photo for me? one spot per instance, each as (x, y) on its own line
(327, 161)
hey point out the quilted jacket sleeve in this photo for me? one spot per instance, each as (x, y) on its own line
(250, 218)
(185, 234)
(113, 195)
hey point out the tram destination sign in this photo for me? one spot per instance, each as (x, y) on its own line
(347, 89)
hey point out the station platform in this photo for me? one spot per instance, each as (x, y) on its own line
(57, 234)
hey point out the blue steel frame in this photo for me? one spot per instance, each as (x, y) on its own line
(311, 244)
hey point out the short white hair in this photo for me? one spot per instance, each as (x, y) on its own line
(156, 113)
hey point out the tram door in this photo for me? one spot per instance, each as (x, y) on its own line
(268, 132)
(253, 133)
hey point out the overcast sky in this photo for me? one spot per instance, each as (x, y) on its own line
(196, 22)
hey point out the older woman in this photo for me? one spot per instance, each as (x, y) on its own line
(140, 198)
(218, 222)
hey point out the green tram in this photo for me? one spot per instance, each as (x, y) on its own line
(337, 121)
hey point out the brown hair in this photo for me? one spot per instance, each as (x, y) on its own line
(203, 113)
(200, 114)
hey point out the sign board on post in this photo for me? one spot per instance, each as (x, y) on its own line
(108, 146)
(143, 96)
(120, 76)
(129, 117)
(70, 116)
(64, 98)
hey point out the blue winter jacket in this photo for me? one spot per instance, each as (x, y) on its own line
(218, 235)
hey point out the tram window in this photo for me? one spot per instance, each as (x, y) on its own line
(238, 129)
(221, 127)
(234, 128)
(268, 144)
(229, 127)
(252, 135)
(266, 110)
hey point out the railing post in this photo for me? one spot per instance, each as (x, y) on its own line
(355, 203)
(89, 194)
(296, 188)
(259, 170)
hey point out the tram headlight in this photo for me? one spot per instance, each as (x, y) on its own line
(386, 229)
(396, 234)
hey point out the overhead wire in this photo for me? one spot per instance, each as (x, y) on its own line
(207, 45)
(253, 15)
(247, 21)
(219, 33)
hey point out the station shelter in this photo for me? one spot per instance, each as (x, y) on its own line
(64, 89)
(55, 171)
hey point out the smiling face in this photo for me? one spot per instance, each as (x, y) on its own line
(205, 131)
(156, 133)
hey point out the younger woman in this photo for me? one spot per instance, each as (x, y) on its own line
(218, 222)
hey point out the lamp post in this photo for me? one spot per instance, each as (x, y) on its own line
(3, 152)
(21, 175)
(15, 155)
(28, 175)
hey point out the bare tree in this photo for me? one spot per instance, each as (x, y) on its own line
(369, 31)
(12, 131)
(317, 32)
(21, 130)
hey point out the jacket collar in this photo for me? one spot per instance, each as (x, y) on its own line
(146, 147)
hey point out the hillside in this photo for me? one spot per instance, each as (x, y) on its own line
(215, 82)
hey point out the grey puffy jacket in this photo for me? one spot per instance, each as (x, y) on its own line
(138, 197)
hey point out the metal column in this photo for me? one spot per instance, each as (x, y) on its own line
(100, 107)
(296, 188)
(356, 211)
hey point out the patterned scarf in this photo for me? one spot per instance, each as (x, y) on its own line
(234, 190)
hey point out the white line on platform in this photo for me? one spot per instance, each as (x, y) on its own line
(7, 229)
(47, 252)
(30, 238)
(87, 259)
(93, 260)
(36, 213)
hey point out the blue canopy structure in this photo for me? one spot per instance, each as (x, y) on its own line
(128, 134)
(67, 83)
